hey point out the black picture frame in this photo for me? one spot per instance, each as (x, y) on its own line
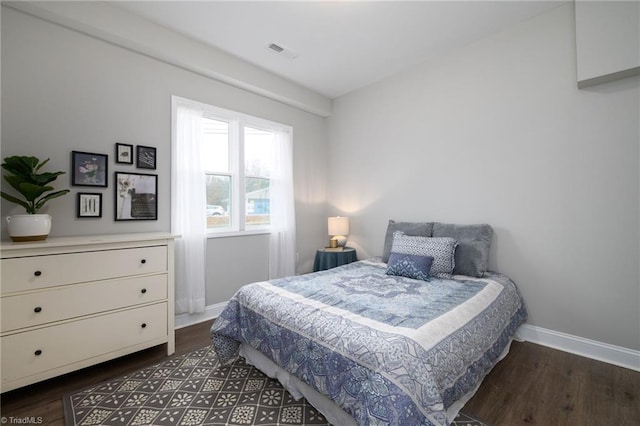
(124, 153)
(136, 196)
(89, 205)
(89, 169)
(145, 157)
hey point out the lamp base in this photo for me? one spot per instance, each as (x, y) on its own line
(338, 241)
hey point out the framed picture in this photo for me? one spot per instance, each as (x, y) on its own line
(89, 169)
(136, 196)
(145, 157)
(89, 204)
(124, 153)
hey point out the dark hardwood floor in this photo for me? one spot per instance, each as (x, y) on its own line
(536, 385)
(533, 385)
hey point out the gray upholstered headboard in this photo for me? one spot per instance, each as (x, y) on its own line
(474, 242)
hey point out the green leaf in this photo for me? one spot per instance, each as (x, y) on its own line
(15, 200)
(20, 165)
(31, 191)
(48, 197)
(45, 178)
(39, 166)
(14, 181)
(30, 184)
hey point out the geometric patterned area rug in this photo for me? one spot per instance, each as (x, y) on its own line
(194, 389)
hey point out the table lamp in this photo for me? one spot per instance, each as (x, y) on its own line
(338, 229)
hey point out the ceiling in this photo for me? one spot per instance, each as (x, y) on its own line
(340, 45)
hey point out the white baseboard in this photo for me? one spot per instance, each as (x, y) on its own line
(616, 355)
(210, 312)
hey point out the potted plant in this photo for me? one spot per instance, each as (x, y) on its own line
(25, 177)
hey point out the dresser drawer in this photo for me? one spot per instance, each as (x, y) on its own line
(60, 303)
(37, 351)
(30, 273)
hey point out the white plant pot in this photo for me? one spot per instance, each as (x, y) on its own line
(28, 227)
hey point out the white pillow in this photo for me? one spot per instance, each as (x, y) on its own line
(442, 250)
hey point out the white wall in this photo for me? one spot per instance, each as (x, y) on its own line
(498, 133)
(233, 254)
(108, 21)
(63, 91)
(607, 40)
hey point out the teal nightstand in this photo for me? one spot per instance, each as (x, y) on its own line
(330, 259)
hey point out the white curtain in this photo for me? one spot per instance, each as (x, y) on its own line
(188, 209)
(282, 244)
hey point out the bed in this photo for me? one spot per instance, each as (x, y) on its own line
(368, 346)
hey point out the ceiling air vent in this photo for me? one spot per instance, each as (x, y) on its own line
(282, 51)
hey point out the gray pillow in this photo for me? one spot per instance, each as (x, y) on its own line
(472, 253)
(416, 229)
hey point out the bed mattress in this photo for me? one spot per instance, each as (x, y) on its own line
(384, 349)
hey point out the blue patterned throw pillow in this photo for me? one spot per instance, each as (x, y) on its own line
(409, 265)
(441, 249)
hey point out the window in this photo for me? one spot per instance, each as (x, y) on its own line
(238, 163)
(230, 174)
(238, 154)
(258, 146)
(215, 148)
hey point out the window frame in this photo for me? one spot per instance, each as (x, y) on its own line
(237, 123)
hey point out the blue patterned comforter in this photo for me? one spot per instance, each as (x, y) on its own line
(386, 349)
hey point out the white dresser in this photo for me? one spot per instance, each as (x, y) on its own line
(71, 302)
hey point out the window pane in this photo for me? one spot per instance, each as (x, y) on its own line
(258, 146)
(216, 145)
(218, 201)
(258, 201)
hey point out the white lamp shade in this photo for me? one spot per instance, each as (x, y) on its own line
(338, 225)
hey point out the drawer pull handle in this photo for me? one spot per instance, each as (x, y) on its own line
(37, 273)
(38, 352)
(37, 309)
(144, 325)
(143, 261)
(143, 291)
